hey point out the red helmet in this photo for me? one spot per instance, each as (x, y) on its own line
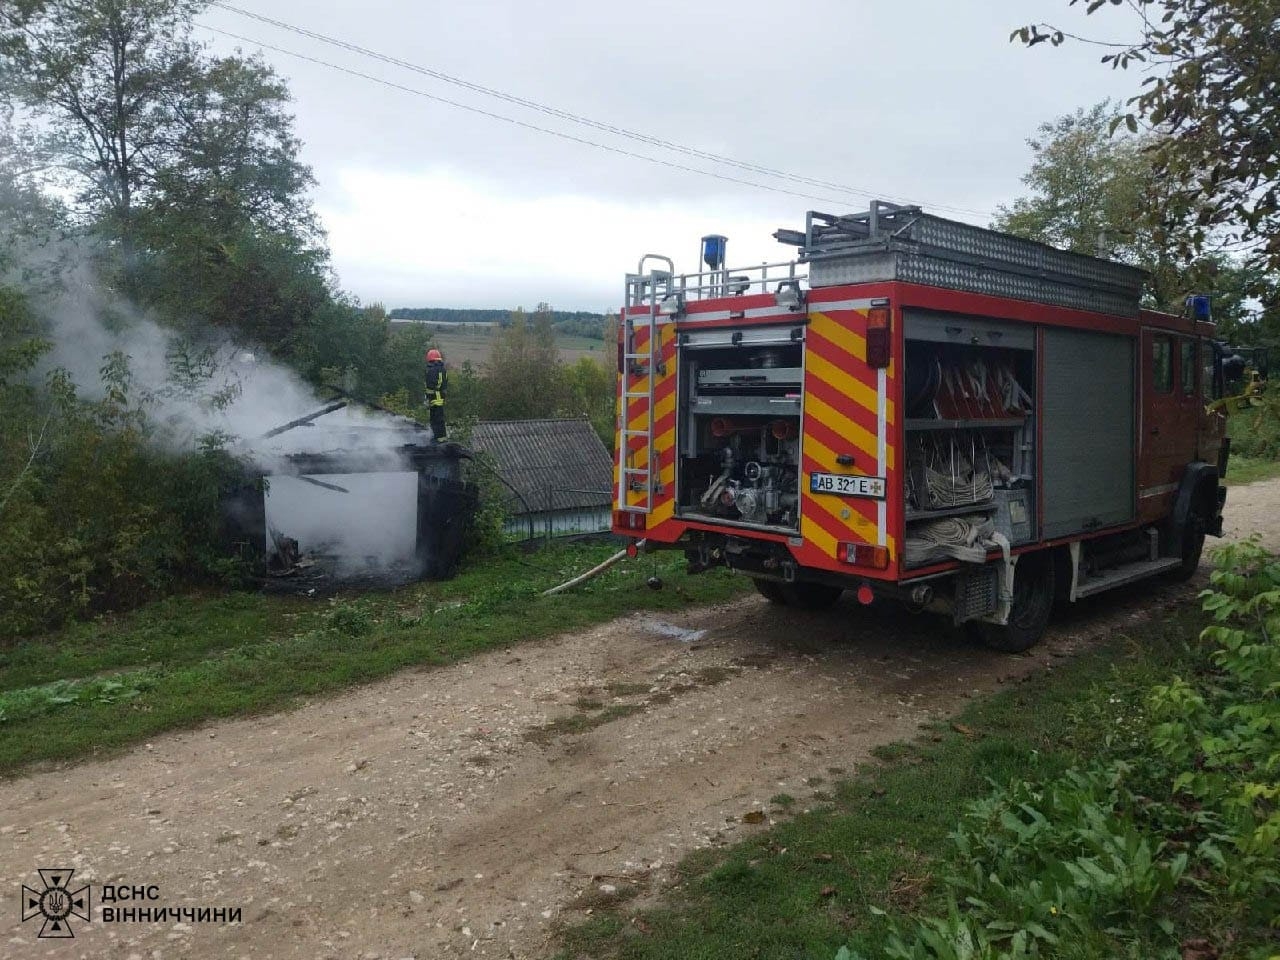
(434, 354)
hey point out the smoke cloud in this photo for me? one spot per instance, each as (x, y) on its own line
(197, 384)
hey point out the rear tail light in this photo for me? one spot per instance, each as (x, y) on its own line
(865, 555)
(878, 336)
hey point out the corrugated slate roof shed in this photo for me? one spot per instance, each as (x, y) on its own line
(555, 464)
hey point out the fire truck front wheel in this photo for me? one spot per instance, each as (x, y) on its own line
(1033, 594)
(1192, 547)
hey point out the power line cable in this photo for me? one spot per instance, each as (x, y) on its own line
(519, 123)
(574, 117)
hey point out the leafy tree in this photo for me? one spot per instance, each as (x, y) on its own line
(186, 163)
(591, 389)
(235, 160)
(1247, 305)
(102, 76)
(525, 369)
(1099, 193)
(1211, 88)
(1088, 189)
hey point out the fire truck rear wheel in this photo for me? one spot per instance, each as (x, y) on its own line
(771, 590)
(1033, 595)
(805, 596)
(811, 596)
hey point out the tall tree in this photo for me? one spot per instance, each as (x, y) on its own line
(1099, 193)
(525, 373)
(144, 126)
(591, 388)
(100, 74)
(1212, 90)
(1088, 189)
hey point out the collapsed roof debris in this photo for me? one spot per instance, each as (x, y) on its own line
(364, 499)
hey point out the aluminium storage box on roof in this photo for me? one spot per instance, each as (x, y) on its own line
(890, 242)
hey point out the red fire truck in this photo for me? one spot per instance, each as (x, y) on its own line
(919, 409)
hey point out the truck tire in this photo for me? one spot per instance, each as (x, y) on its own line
(811, 596)
(1033, 597)
(1192, 547)
(771, 590)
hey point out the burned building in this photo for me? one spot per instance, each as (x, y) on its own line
(350, 495)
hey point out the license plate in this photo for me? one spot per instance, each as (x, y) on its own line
(844, 485)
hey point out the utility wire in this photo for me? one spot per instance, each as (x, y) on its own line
(573, 117)
(520, 123)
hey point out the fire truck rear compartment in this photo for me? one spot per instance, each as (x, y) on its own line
(739, 433)
(969, 398)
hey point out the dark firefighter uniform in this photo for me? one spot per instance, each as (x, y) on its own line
(437, 387)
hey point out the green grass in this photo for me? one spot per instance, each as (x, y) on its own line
(1242, 470)
(105, 684)
(808, 885)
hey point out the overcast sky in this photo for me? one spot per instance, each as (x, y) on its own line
(428, 204)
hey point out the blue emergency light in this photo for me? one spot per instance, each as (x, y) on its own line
(1200, 308)
(713, 248)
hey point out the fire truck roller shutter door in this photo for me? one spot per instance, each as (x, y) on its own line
(1088, 430)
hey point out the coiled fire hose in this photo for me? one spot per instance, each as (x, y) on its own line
(946, 491)
(950, 536)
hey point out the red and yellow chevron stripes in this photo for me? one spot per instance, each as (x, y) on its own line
(848, 412)
(636, 451)
(848, 426)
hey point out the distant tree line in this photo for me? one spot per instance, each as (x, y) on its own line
(577, 323)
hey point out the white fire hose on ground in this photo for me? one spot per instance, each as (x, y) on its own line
(593, 572)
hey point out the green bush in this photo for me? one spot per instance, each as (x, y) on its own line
(1255, 431)
(103, 516)
(1181, 819)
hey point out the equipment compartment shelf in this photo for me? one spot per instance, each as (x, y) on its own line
(927, 423)
(746, 406)
(912, 514)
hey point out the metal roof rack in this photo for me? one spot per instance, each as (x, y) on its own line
(894, 242)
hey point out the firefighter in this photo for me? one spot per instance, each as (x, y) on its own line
(437, 387)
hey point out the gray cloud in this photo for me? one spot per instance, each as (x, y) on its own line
(925, 100)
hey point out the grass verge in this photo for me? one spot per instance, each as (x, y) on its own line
(111, 682)
(1242, 470)
(877, 845)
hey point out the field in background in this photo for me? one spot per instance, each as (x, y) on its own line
(463, 342)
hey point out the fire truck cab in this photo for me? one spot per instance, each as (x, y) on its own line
(918, 409)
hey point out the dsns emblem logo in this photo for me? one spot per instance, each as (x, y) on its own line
(56, 903)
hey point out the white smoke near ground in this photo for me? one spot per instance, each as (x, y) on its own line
(199, 386)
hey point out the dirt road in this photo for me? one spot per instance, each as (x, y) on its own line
(458, 812)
